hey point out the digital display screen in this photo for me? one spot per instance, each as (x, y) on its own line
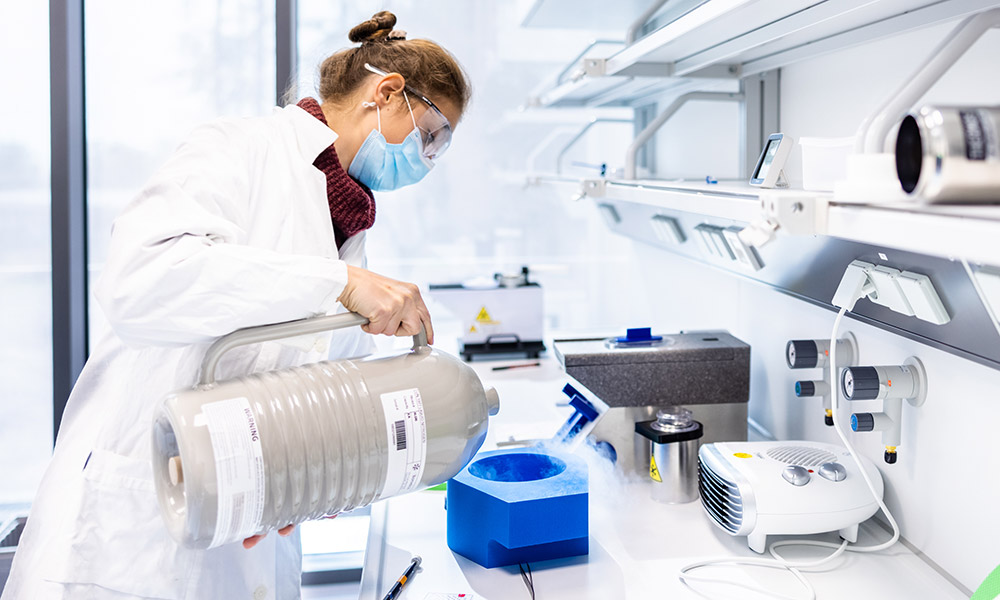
(769, 151)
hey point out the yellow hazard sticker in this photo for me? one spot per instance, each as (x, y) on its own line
(654, 473)
(472, 329)
(484, 318)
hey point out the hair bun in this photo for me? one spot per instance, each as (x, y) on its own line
(376, 28)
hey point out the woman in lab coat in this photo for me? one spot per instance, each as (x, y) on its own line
(251, 221)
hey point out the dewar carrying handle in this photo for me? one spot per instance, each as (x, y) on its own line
(277, 331)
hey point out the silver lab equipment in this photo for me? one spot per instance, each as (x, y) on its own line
(707, 372)
(673, 464)
(251, 454)
(950, 154)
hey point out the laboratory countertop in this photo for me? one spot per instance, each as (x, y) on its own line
(637, 545)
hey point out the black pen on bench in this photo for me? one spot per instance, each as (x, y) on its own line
(398, 586)
(532, 364)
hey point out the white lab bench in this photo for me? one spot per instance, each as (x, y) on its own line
(636, 544)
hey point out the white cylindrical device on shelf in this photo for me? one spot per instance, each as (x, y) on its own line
(257, 453)
(950, 154)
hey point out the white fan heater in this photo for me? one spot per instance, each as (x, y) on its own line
(759, 489)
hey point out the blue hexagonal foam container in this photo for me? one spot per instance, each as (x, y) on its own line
(513, 506)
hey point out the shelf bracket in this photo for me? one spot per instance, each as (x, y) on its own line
(561, 77)
(632, 33)
(591, 188)
(583, 131)
(661, 119)
(797, 213)
(871, 137)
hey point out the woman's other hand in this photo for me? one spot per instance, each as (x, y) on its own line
(392, 307)
(251, 541)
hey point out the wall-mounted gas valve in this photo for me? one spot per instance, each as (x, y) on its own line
(891, 384)
(815, 354)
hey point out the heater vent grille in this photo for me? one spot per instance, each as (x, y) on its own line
(801, 455)
(721, 498)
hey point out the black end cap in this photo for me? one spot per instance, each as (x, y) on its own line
(828, 420)
(890, 457)
(801, 354)
(866, 383)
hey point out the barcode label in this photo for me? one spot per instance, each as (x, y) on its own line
(406, 441)
(400, 435)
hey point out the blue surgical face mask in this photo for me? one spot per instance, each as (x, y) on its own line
(383, 166)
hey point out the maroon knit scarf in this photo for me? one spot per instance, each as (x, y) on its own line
(352, 204)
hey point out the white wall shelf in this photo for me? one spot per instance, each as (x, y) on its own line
(970, 232)
(602, 91)
(738, 38)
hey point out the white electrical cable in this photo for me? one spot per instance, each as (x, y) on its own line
(780, 562)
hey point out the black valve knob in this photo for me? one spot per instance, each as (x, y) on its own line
(860, 383)
(890, 457)
(862, 422)
(828, 419)
(804, 389)
(801, 354)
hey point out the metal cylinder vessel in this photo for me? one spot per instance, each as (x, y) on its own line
(673, 464)
(257, 453)
(950, 154)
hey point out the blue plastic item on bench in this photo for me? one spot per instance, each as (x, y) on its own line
(524, 505)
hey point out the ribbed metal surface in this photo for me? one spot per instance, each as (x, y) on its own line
(721, 498)
(803, 456)
(323, 431)
(325, 450)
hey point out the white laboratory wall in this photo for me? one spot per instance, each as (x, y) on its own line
(944, 488)
(700, 140)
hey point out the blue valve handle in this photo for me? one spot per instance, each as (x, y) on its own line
(639, 334)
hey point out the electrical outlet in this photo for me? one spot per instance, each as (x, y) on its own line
(746, 256)
(923, 298)
(889, 293)
(854, 285)
(667, 229)
(989, 287)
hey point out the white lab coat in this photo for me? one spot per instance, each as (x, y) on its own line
(233, 231)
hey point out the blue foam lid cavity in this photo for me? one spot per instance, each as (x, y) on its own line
(517, 467)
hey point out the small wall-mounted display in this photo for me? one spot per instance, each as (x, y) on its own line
(769, 170)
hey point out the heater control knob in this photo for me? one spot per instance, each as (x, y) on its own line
(795, 475)
(833, 471)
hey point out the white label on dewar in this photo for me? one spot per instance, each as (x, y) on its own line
(406, 439)
(239, 469)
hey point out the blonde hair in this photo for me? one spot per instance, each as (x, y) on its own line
(426, 66)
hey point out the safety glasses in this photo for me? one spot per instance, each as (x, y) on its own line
(435, 130)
